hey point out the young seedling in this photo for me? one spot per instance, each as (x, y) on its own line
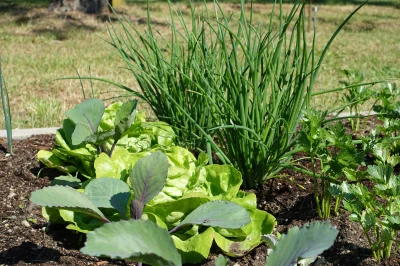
(6, 111)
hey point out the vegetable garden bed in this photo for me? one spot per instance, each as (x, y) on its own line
(27, 238)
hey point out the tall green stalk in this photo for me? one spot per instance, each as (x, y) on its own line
(238, 89)
(6, 111)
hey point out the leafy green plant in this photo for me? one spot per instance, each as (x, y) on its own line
(334, 158)
(6, 111)
(300, 246)
(356, 96)
(147, 242)
(190, 184)
(91, 129)
(221, 261)
(388, 109)
(374, 203)
(237, 91)
(377, 209)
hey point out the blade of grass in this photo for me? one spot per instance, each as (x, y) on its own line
(6, 111)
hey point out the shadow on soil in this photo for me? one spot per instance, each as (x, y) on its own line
(42, 171)
(29, 253)
(303, 210)
(355, 254)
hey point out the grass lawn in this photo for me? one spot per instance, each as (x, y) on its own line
(37, 48)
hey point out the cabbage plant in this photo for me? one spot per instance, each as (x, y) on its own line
(146, 242)
(189, 185)
(91, 129)
(300, 246)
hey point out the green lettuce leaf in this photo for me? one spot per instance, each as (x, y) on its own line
(261, 222)
(217, 181)
(196, 248)
(50, 160)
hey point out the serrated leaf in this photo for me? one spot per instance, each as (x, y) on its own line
(222, 214)
(109, 193)
(335, 190)
(124, 118)
(306, 242)
(350, 174)
(377, 173)
(381, 151)
(148, 178)
(368, 220)
(221, 261)
(67, 180)
(62, 197)
(138, 240)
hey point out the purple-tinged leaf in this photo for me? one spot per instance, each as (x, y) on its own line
(148, 178)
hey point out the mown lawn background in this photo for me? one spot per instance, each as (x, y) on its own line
(37, 48)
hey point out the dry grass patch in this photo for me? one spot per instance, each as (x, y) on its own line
(38, 48)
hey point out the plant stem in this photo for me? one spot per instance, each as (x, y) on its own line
(315, 186)
(338, 200)
(112, 148)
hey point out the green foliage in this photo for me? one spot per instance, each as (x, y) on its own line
(221, 261)
(147, 179)
(92, 131)
(109, 193)
(300, 245)
(198, 203)
(64, 197)
(356, 96)
(377, 208)
(388, 108)
(217, 214)
(6, 111)
(245, 87)
(148, 176)
(134, 240)
(152, 244)
(67, 180)
(334, 158)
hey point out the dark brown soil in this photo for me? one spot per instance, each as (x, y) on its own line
(26, 238)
